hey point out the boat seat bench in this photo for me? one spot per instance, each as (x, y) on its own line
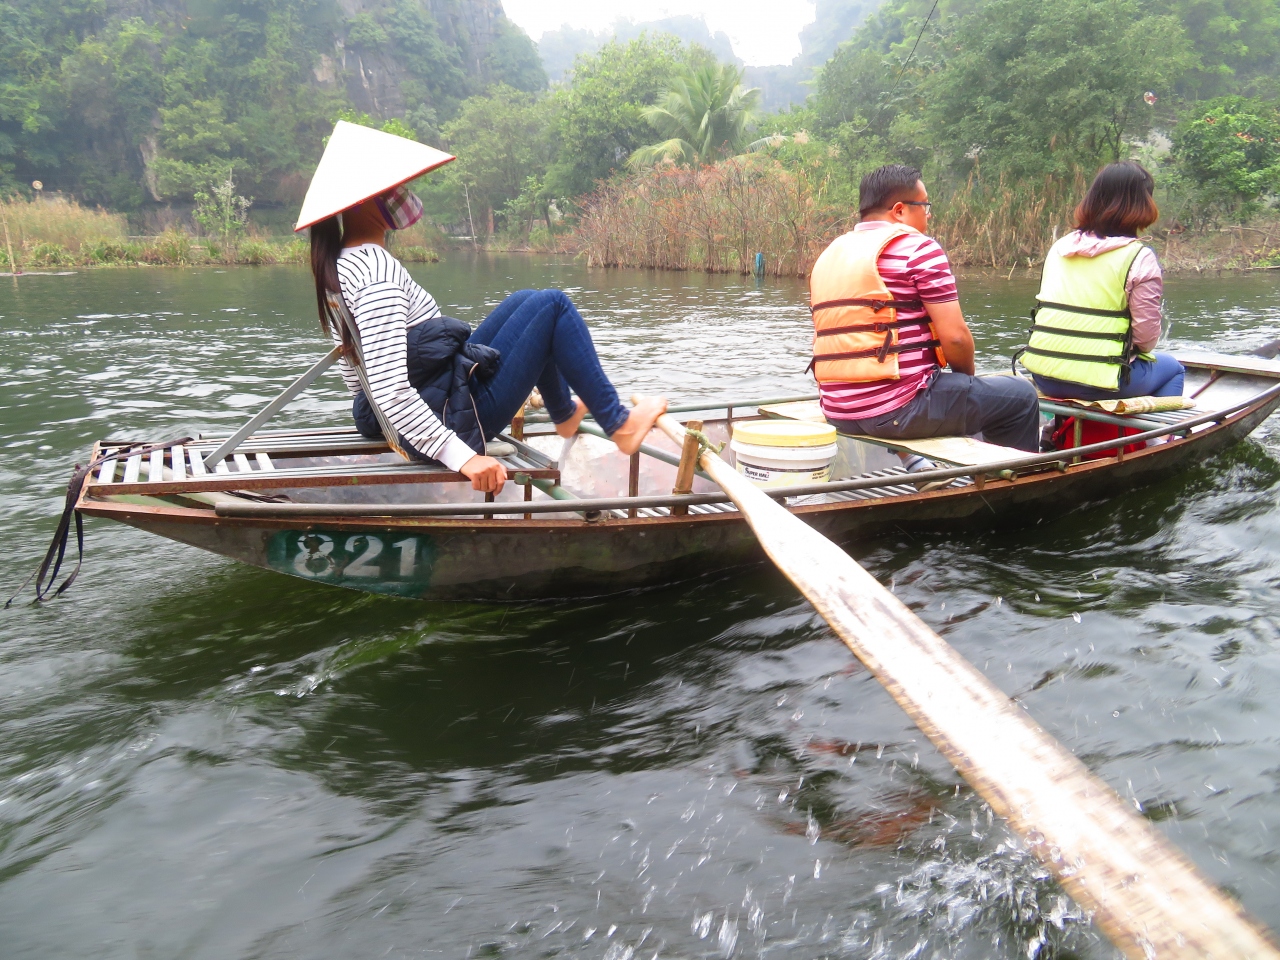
(809, 410)
(953, 451)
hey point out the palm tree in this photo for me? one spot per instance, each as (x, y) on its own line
(704, 116)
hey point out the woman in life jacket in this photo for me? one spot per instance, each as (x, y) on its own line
(1098, 312)
(429, 384)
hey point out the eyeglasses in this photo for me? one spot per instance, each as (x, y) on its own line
(928, 207)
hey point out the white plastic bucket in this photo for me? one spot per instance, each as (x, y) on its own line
(784, 453)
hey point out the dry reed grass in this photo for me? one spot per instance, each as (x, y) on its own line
(59, 233)
(58, 222)
(1004, 224)
(717, 217)
(714, 218)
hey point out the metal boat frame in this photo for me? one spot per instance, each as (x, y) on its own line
(334, 507)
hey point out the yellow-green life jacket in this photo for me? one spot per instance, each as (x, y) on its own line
(1082, 325)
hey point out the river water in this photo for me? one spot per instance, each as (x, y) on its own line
(205, 760)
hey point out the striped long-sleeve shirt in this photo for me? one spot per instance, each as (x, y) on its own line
(913, 267)
(385, 302)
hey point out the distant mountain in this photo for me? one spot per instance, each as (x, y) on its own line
(835, 22)
(559, 48)
(781, 86)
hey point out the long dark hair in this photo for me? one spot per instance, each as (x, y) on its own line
(1119, 201)
(326, 245)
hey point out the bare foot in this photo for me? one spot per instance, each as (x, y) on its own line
(570, 427)
(639, 422)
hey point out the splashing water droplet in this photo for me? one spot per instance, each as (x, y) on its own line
(812, 831)
(728, 936)
(701, 925)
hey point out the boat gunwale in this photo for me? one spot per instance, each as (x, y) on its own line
(481, 525)
(1061, 461)
(1054, 466)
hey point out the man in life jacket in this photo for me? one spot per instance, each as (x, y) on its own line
(887, 318)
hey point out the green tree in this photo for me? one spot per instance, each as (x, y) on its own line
(500, 140)
(599, 117)
(220, 210)
(1226, 155)
(394, 126)
(197, 145)
(436, 74)
(1030, 87)
(1238, 45)
(513, 60)
(704, 115)
(100, 98)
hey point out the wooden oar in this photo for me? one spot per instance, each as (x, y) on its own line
(1141, 891)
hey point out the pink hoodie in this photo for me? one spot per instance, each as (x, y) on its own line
(1145, 285)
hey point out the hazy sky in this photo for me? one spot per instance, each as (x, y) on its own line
(762, 33)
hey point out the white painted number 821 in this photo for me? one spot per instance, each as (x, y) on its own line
(315, 556)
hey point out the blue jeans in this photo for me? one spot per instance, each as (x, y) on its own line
(545, 343)
(1003, 409)
(1161, 377)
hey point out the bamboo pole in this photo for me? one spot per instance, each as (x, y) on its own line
(684, 471)
(1141, 891)
(13, 264)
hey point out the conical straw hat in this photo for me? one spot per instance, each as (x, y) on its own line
(360, 163)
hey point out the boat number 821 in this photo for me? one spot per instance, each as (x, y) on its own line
(358, 556)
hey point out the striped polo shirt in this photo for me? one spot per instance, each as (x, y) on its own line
(913, 267)
(385, 302)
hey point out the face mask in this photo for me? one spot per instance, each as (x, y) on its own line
(400, 208)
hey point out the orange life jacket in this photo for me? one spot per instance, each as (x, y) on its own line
(855, 318)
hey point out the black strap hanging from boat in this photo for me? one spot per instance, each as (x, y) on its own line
(47, 574)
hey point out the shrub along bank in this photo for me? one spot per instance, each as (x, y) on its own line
(52, 233)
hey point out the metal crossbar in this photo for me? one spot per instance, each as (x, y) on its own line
(275, 406)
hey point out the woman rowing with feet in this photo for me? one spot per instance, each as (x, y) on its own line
(443, 387)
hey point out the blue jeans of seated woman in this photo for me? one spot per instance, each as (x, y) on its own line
(1161, 377)
(545, 343)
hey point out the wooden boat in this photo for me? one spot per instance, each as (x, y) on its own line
(333, 507)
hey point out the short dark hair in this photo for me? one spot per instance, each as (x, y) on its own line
(1119, 201)
(883, 187)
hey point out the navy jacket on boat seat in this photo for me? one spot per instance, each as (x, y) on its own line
(442, 365)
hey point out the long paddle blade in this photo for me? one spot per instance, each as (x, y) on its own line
(1142, 892)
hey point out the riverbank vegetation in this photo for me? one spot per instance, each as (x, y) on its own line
(53, 233)
(201, 124)
(1008, 106)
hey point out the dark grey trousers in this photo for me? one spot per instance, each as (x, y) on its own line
(1002, 409)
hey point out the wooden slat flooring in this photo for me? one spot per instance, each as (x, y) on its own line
(256, 470)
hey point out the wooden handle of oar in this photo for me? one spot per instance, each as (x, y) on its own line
(1142, 892)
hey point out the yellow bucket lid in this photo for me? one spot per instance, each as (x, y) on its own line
(784, 433)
